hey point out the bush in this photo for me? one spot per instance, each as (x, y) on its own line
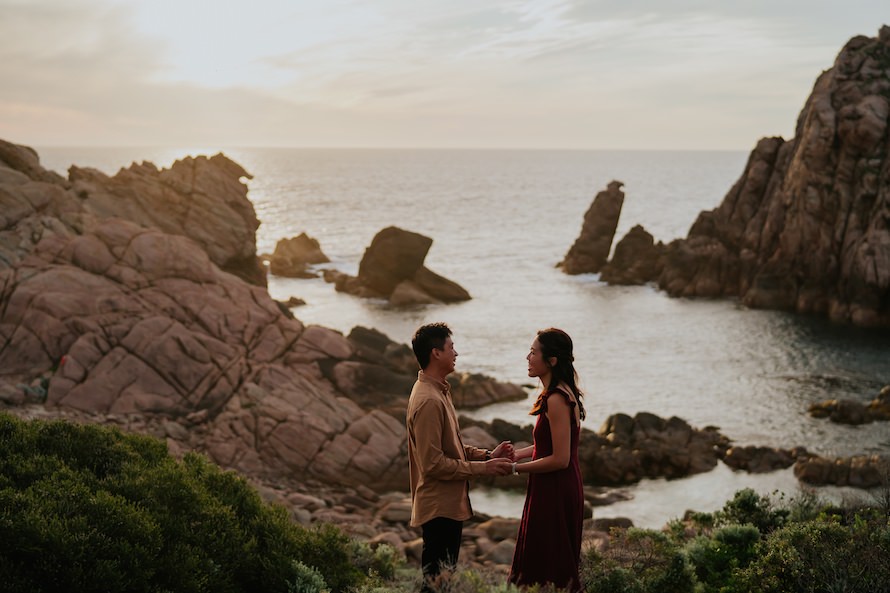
(748, 507)
(715, 558)
(822, 555)
(637, 560)
(88, 508)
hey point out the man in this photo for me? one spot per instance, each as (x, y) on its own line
(440, 464)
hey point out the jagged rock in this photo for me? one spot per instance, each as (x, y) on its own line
(805, 228)
(392, 268)
(292, 256)
(591, 249)
(637, 259)
(200, 198)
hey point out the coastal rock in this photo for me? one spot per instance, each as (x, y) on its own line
(626, 450)
(759, 460)
(392, 268)
(846, 411)
(860, 471)
(472, 390)
(591, 249)
(292, 256)
(637, 259)
(200, 198)
(805, 227)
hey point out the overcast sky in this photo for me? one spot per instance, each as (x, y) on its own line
(627, 74)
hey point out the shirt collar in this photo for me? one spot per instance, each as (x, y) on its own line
(443, 386)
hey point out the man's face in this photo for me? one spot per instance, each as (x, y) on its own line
(447, 355)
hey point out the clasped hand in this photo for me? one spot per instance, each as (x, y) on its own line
(501, 462)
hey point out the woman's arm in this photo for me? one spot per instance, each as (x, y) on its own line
(558, 411)
(524, 453)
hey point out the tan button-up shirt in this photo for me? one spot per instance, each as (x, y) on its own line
(439, 463)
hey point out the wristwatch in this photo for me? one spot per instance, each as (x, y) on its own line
(487, 454)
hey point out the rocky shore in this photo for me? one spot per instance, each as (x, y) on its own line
(138, 300)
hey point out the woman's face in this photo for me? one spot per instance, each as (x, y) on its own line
(537, 366)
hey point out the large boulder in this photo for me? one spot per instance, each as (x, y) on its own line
(293, 255)
(591, 249)
(392, 268)
(637, 259)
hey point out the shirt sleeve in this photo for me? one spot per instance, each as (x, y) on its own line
(429, 422)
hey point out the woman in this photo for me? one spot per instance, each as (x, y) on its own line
(548, 548)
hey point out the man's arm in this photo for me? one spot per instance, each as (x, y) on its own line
(429, 423)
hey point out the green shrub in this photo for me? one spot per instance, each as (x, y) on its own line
(638, 560)
(715, 558)
(748, 507)
(307, 580)
(88, 508)
(822, 555)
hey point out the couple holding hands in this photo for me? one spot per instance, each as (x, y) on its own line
(548, 545)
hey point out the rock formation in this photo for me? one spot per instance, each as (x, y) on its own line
(845, 411)
(392, 268)
(591, 249)
(292, 256)
(112, 311)
(859, 471)
(806, 227)
(636, 259)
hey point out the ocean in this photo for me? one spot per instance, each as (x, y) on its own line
(500, 221)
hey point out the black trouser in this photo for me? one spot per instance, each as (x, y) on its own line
(441, 546)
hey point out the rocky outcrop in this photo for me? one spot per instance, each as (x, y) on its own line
(627, 449)
(806, 227)
(392, 268)
(292, 257)
(860, 471)
(200, 198)
(591, 249)
(110, 319)
(759, 460)
(845, 411)
(637, 259)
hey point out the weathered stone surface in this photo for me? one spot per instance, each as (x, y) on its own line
(806, 227)
(637, 259)
(392, 268)
(591, 249)
(860, 471)
(758, 460)
(200, 198)
(292, 256)
(626, 449)
(472, 390)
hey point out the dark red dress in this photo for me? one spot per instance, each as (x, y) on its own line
(548, 548)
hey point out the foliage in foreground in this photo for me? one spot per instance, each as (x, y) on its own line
(89, 508)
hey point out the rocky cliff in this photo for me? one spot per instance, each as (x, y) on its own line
(807, 225)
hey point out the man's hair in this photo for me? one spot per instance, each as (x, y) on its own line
(427, 337)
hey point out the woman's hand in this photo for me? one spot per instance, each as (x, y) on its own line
(504, 450)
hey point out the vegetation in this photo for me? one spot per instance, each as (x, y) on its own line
(88, 508)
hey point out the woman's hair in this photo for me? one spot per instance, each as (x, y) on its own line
(557, 344)
(427, 337)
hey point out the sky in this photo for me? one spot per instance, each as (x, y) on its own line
(523, 74)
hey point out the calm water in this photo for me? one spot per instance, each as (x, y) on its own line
(500, 221)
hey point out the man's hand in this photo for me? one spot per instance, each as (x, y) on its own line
(498, 466)
(504, 450)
